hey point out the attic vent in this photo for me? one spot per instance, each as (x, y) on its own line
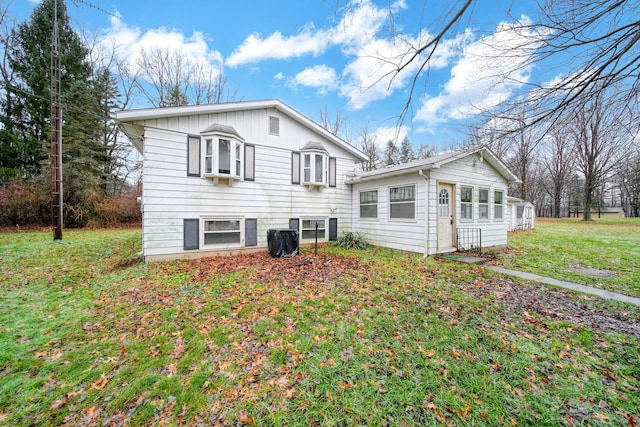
(274, 125)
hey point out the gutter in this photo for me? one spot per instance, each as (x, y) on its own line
(426, 178)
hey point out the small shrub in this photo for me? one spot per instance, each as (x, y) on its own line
(24, 203)
(351, 240)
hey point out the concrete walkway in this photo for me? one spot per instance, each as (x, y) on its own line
(567, 285)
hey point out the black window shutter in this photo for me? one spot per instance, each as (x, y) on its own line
(332, 171)
(193, 155)
(191, 234)
(249, 162)
(295, 167)
(251, 232)
(333, 228)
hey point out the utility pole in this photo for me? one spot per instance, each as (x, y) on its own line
(56, 130)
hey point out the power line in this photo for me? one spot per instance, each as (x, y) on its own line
(93, 6)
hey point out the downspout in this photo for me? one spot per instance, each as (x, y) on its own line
(426, 178)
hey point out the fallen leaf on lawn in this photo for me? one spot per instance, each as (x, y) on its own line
(56, 355)
(100, 382)
(205, 329)
(455, 354)
(172, 369)
(243, 417)
(178, 348)
(58, 403)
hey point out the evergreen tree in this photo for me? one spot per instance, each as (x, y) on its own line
(87, 100)
(406, 151)
(391, 153)
(27, 109)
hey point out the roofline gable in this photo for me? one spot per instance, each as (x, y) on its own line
(128, 116)
(436, 162)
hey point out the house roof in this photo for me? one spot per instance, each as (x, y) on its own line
(131, 121)
(436, 162)
(227, 130)
(312, 145)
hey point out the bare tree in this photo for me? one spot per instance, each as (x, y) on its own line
(335, 125)
(166, 77)
(370, 149)
(600, 134)
(557, 162)
(524, 141)
(594, 42)
(627, 178)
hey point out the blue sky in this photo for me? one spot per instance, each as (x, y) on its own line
(322, 55)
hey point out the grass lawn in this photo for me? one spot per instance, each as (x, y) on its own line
(604, 253)
(373, 337)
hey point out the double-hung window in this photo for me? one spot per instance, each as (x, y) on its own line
(483, 203)
(308, 231)
(402, 202)
(369, 204)
(222, 232)
(466, 202)
(498, 205)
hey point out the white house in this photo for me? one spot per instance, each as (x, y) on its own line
(217, 177)
(435, 205)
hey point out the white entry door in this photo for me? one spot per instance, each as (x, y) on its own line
(446, 203)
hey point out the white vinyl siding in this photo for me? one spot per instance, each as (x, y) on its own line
(402, 202)
(170, 195)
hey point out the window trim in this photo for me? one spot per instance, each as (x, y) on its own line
(366, 204)
(312, 168)
(403, 202)
(502, 216)
(463, 203)
(485, 204)
(228, 245)
(325, 229)
(236, 157)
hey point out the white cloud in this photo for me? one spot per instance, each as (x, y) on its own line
(320, 77)
(489, 71)
(384, 134)
(255, 48)
(130, 42)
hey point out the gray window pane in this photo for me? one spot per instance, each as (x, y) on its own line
(224, 159)
(368, 211)
(311, 234)
(221, 238)
(403, 210)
